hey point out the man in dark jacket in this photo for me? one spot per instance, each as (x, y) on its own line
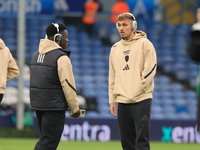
(52, 86)
(194, 53)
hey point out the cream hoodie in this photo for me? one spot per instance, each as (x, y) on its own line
(8, 66)
(132, 67)
(64, 72)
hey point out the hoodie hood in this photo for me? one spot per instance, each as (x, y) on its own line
(46, 46)
(138, 35)
(2, 44)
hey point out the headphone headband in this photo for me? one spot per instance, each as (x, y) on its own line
(58, 36)
(57, 26)
(130, 14)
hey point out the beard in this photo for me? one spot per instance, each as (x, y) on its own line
(124, 38)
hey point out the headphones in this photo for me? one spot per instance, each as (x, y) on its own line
(57, 37)
(133, 24)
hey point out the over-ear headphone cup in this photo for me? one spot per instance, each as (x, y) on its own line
(117, 26)
(58, 38)
(134, 25)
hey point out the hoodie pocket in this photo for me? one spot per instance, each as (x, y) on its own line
(128, 83)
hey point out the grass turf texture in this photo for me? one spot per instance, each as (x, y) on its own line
(28, 144)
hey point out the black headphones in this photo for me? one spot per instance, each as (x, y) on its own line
(57, 37)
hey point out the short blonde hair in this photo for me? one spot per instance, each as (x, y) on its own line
(125, 16)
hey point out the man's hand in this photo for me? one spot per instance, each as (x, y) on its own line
(76, 115)
(113, 109)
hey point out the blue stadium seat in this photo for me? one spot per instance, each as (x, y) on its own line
(12, 83)
(71, 29)
(167, 63)
(75, 57)
(73, 42)
(190, 94)
(169, 102)
(176, 87)
(181, 101)
(73, 48)
(83, 36)
(184, 115)
(158, 116)
(89, 79)
(77, 71)
(73, 36)
(192, 67)
(88, 92)
(92, 114)
(164, 79)
(114, 37)
(12, 47)
(88, 71)
(79, 85)
(10, 41)
(87, 63)
(142, 26)
(180, 71)
(157, 101)
(96, 43)
(104, 108)
(87, 57)
(192, 78)
(10, 23)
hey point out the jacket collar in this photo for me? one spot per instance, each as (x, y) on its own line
(66, 51)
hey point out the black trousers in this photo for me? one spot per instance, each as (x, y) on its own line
(51, 124)
(198, 115)
(134, 125)
(1, 97)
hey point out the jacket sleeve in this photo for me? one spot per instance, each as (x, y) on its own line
(194, 44)
(13, 69)
(150, 64)
(194, 47)
(66, 77)
(112, 98)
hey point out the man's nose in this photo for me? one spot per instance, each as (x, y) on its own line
(120, 28)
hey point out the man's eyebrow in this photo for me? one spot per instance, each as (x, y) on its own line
(122, 23)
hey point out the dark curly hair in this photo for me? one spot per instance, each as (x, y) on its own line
(51, 30)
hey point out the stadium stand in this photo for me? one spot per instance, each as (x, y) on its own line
(173, 97)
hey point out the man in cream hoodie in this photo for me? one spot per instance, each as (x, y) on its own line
(52, 86)
(8, 67)
(132, 67)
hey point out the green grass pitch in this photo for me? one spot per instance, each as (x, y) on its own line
(28, 144)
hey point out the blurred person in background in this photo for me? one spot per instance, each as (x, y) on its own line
(132, 67)
(90, 16)
(8, 67)
(194, 53)
(120, 6)
(52, 86)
